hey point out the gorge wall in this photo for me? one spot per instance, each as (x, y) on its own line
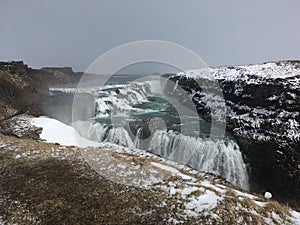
(262, 112)
(23, 89)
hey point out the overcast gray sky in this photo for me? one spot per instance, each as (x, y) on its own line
(74, 33)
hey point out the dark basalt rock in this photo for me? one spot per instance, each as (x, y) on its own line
(14, 67)
(259, 115)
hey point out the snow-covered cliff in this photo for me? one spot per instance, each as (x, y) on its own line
(262, 112)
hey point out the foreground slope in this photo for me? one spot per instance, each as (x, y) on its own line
(49, 183)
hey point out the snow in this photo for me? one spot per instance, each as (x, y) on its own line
(57, 132)
(268, 195)
(18, 156)
(296, 217)
(174, 171)
(201, 203)
(260, 204)
(269, 70)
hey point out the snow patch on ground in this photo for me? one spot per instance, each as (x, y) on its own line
(57, 132)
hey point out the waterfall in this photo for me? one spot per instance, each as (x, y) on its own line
(138, 136)
(119, 136)
(103, 133)
(121, 98)
(220, 157)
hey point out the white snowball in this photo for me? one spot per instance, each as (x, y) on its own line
(268, 195)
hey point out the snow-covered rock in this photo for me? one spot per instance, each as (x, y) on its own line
(262, 112)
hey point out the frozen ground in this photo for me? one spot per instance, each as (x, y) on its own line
(198, 195)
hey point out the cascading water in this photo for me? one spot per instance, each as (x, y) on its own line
(104, 133)
(120, 99)
(221, 157)
(137, 141)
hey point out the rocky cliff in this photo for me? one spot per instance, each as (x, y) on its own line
(17, 91)
(23, 89)
(262, 112)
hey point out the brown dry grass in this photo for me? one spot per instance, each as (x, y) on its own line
(66, 191)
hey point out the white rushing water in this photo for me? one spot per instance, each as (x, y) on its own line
(137, 141)
(221, 157)
(119, 99)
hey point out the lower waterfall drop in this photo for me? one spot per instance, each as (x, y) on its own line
(221, 157)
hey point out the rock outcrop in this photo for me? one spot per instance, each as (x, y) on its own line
(17, 91)
(262, 112)
(56, 76)
(23, 89)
